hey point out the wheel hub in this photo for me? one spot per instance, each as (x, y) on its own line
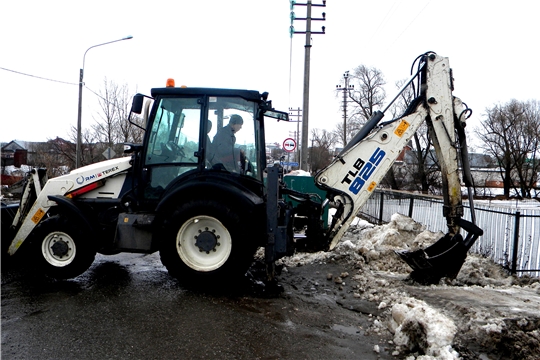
(60, 247)
(207, 240)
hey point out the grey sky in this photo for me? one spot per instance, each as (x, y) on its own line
(492, 47)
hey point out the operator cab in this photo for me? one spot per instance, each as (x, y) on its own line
(182, 129)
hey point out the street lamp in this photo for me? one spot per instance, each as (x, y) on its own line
(81, 75)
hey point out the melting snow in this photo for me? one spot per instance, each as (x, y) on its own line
(417, 327)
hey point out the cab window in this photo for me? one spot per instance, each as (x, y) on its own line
(175, 133)
(173, 143)
(233, 135)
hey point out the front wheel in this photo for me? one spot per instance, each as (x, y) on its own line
(61, 249)
(206, 241)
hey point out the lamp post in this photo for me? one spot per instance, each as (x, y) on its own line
(81, 75)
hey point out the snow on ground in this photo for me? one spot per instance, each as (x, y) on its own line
(511, 204)
(11, 170)
(484, 310)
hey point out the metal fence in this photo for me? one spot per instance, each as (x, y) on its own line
(511, 238)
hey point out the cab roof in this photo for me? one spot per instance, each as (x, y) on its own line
(251, 95)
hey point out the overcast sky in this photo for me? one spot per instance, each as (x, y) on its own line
(493, 47)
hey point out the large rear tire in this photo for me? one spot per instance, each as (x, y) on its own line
(61, 248)
(207, 242)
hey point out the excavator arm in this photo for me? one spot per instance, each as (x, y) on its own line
(353, 175)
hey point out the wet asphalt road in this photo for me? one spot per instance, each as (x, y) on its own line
(127, 306)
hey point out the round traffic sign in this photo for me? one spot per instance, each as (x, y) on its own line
(289, 144)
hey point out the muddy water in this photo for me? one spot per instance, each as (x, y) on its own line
(127, 306)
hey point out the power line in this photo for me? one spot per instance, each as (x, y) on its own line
(95, 93)
(59, 81)
(38, 77)
(383, 20)
(410, 23)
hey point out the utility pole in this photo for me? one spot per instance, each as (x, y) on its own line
(346, 89)
(307, 47)
(298, 120)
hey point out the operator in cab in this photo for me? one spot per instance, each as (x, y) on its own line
(223, 146)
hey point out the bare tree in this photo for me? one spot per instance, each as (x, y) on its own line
(425, 170)
(47, 155)
(127, 131)
(91, 148)
(322, 141)
(64, 151)
(510, 134)
(367, 97)
(368, 94)
(527, 138)
(532, 114)
(113, 129)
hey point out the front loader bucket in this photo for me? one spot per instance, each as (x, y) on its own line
(442, 259)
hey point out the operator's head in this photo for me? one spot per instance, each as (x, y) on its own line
(236, 122)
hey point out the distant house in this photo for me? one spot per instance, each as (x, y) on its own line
(484, 169)
(14, 153)
(53, 155)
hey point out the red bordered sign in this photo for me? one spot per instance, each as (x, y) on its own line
(289, 145)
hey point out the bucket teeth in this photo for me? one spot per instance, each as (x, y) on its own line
(442, 259)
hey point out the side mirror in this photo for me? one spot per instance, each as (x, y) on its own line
(137, 105)
(279, 115)
(130, 148)
(137, 108)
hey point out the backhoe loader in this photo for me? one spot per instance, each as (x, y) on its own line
(207, 204)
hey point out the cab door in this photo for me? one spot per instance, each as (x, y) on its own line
(173, 144)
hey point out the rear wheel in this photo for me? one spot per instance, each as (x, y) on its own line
(206, 241)
(62, 249)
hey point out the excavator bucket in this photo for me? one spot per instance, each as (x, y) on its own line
(442, 259)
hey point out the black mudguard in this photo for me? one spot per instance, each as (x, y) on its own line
(8, 212)
(73, 209)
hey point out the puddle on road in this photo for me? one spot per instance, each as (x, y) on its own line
(350, 330)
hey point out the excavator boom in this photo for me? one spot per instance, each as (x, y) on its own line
(351, 178)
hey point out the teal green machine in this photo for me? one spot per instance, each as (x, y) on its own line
(306, 185)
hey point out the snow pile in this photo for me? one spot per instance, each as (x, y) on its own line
(298, 173)
(417, 326)
(376, 244)
(12, 170)
(480, 271)
(401, 232)
(365, 244)
(480, 306)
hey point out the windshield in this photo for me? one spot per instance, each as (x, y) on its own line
(174, 137)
